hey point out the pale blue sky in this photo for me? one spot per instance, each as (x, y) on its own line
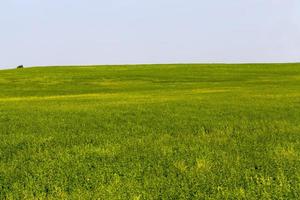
(61, 32)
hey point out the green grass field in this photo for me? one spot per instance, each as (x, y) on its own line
(150, 132)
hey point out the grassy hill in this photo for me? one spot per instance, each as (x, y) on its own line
(151, 132)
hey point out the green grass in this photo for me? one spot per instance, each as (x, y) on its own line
(151, 132)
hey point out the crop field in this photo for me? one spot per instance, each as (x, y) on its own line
(150, 132)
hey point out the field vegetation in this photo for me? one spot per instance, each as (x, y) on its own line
(150, 132)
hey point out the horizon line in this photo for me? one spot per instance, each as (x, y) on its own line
(141, 64)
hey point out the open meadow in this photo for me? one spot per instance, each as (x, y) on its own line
(150, 132)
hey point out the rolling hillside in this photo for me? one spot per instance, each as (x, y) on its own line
(150, 132)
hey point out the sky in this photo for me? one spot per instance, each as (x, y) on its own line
(84, 32)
